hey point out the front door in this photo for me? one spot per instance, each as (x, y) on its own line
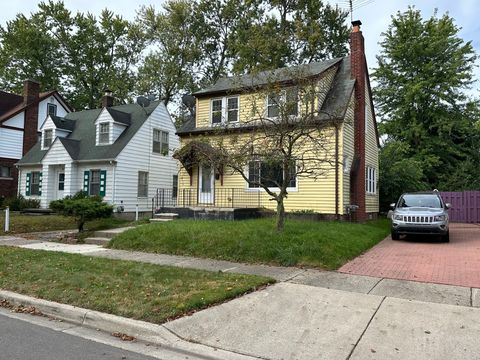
(206, 183)
(60, 184)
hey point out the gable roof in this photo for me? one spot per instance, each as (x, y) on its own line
(334, 106)
(9, 101)
(81, 145)
(21, 105)
(62, 123)
(237, 83)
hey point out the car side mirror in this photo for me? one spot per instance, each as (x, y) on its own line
(392, 206)
(448, 206)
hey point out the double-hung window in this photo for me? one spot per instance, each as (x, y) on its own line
(370, 180)
(283, 103)
(104, 133)
(270, 174)
(5, 172)
(47, 138)
(94, 182)
(51, 109)
(160, 142)
(224, 110)
(142, 184)
(35, 183)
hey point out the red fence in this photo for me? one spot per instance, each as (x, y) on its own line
(465, 206)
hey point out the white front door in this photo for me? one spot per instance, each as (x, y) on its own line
(60, 184)
(206, 183)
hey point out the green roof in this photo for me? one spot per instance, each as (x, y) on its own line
(80, 144)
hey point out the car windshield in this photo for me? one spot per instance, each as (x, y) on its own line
(416, 200)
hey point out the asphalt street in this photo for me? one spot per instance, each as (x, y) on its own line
(21, 340)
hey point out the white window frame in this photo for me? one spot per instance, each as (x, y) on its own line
(54, 106)
(274, 189)
(225, 110)
(143, 186)
(51, 131)
(92, 171)
(282, 98)
(161, 143)
(370, 180)
(35, 175)
(100, 133)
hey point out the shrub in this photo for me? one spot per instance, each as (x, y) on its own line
(19, 203)
(82, 207)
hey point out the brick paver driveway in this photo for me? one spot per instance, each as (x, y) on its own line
(425, 260)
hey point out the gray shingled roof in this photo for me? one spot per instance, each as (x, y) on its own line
(62, 123)
(81, 142)
(334, 106)
(235, 83)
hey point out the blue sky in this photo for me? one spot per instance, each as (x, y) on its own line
(375, 16)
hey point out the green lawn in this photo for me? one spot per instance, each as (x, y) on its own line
(20, 223)
(136, 290)
(326, 245)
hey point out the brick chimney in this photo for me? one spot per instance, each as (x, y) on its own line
(358, 68)
(31, 92)
(107, 99)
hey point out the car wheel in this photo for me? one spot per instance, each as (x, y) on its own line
(395, 235)
(446, 237)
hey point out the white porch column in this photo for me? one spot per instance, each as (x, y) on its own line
(47, 178)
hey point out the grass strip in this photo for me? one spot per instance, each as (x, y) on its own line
(126, 288)
(326, 244)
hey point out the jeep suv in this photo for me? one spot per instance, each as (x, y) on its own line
(421, 213)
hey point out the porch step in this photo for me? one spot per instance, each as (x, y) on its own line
(166, 216)
(160, 220)
(111, 232)
(97, 240)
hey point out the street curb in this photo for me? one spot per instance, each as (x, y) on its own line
(141, 330)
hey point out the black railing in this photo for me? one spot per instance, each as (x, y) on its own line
(220, 198)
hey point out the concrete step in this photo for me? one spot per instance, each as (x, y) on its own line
(160, 220)
(97, 240)
(111, 232)
(170, 216)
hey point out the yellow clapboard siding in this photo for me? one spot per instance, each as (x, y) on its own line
(371, 153)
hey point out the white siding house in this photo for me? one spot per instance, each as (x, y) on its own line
(108, 152)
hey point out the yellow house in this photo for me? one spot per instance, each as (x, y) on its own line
(348, 181)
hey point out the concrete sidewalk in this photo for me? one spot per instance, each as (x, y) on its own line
(313, 314)
(409, 290)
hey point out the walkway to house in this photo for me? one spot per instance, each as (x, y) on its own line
(425, 260)
(375, 285)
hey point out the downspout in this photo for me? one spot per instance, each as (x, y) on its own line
(336, 172)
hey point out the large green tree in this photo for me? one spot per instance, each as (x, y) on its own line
(78, 54)
(423, 71)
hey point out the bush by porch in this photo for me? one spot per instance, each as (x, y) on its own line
(326, 245)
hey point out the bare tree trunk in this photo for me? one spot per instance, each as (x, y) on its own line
(280, 214)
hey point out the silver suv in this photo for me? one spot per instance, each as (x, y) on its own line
(421, 213)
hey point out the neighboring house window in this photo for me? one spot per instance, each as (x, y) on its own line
(5, 172)
(285, 102)
(142, 184)
(269, 174)
(175, 186)
(61, 181)
(346, 164)
(51, 109)
(47, 138)
(160, 142)
(225, 110)
(94, 182)
(104, 133)
(370, 180)
(35, 183)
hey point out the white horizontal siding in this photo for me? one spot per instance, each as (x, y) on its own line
(11, 143)
(22, 180)
(138, 156)
(55, 157)
(17, 121)
(43, 108)
(117, 130)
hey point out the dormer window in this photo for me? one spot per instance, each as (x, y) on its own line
(47, 138)
(51, 109)
(104, 133)
(224, 110)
